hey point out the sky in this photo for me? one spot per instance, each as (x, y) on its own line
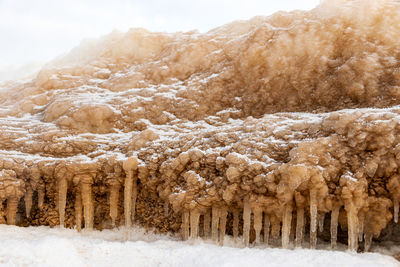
(35, 31)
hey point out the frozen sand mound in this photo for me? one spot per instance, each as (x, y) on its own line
(266, 129)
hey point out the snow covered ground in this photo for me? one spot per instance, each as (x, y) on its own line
(43, 246)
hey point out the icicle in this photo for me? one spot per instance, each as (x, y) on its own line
(235, 223)
(28, 201)
(185, 225)
(286, 225)
(361, 226)
(12, 207)
(266, 228)
(396, 209)
(334, 225)
(40, 197)
(134, 197)
(258, 223)
(62, 199)
(299, 226)
(88, 209)
(246, 222)
(313, 240)
(223, 213)
(207, 224)
(194, 224)
(313, 218)
(214, 223)
(78, 210)
(367, 242)
(292, 236)
(166, 208)
(114, 197)
(313, 210)
(128, 198)
(352, 227)
(321, 220)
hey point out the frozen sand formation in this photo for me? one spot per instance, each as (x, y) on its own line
(277, 129)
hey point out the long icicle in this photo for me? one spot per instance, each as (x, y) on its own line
(334, 225)
(352, 222)
(62, 199)
(78, 209)
(222, 224)
(313, 218)
(258, 223)
(361, 226)
(128, 198)
(114, 197)
(40, 197)
(207, 224)
(134, 197)
(321, 220)
(235, 223)
(246, 222)
(88, 209)
(396, 201)
(194, 224)
(185, 225)
(286, 225)
(299, 226)
(267, 223)
(12, 207)
(28, 201)
(292, 236)
(214, 223)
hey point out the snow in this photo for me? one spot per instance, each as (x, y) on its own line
(43, 246)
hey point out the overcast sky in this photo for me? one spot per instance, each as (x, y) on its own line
(39, 30)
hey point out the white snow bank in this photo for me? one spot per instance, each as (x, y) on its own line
(43, 246)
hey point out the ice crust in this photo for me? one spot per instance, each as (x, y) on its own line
(262, 129)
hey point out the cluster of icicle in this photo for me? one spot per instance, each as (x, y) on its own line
(259, 128)
(286, 213)
(293, 193)
(13, 190)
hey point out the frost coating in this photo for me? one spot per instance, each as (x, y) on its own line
(257, 129)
